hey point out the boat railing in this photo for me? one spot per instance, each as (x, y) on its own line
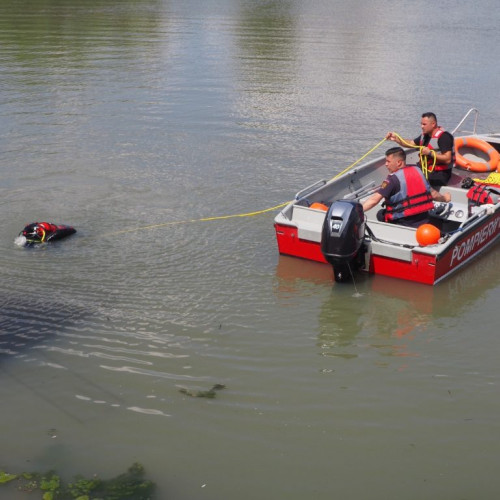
(462, 121)
(361, 192)
(310, 189)
(478, 215)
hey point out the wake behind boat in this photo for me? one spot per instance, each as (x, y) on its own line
(325, 222)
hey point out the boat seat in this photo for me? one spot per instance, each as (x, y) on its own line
(392, 233)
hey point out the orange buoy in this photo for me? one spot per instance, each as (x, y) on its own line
(427, 234)
(319, 206)
(490, 165)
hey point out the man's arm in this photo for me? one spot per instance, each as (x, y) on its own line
(393, 136)
(437, 196)
(373, 200)
(445, 145)
(440, 157)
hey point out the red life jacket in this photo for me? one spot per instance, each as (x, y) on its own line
(433, 144)
(479, 195)
(414, 196)
(39, 231)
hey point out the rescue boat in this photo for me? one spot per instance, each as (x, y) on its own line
(325, 221)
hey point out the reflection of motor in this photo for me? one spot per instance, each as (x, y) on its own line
(342, 238)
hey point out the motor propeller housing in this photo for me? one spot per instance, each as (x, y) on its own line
(342, 237)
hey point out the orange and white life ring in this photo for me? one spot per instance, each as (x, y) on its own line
(476, 166)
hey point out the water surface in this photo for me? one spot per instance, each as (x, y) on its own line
(131, 121)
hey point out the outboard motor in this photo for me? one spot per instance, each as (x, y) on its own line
(342, 237)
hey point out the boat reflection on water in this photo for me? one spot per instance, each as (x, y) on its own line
(291, 272)
(382, 312)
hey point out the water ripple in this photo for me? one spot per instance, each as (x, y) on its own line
(153, 373)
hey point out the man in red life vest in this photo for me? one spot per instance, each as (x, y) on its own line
(407, 194)
(433, 138)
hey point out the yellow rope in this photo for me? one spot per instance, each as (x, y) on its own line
(247, 214)
(357, 161)
(204, 219)
(493, 178)
(423, 159)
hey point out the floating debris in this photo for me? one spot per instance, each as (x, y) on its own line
(130, 485)
(211, 393)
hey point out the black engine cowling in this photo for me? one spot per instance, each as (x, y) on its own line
(342, 237)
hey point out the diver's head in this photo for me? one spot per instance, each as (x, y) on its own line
(33, 233)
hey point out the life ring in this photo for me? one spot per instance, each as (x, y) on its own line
(476, 166)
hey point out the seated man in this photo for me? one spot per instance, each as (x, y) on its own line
(408, 196)
(434, 141)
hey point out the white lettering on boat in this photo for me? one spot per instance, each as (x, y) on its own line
(468, 246)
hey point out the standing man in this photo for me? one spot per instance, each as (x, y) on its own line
(408, 196)
(436, 139)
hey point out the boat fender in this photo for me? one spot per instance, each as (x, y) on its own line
(476, 166)
(319, 206)
(427, 234)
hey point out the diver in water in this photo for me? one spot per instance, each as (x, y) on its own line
(43, 232)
